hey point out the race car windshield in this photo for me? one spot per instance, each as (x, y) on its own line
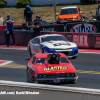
(53, 38)
(68, 11)
(42, 60)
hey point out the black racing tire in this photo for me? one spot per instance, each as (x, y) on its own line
(27, 76)
(30, 79)
(73, 57)
(73, 82)
(30, 52)
(42, 50)
(33, 79)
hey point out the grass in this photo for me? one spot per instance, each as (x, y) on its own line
(46, 12)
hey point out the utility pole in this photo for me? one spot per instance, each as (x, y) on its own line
(55, 9)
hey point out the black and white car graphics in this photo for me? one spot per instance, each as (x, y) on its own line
(52, 43)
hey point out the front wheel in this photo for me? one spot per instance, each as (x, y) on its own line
(30, 78)
(73, 57)
(42, 50)
(73, 82)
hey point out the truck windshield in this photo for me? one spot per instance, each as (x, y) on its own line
(68, 11)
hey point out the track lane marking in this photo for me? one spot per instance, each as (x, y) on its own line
(77, 71)
(13, 66)
(86, 72)
(96, 73)
(4, 62)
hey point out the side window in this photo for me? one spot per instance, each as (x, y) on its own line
(32, 41)
(33, 60)
(37, 40)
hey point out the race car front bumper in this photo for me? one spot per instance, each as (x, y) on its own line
(72, 52)
(58, 80)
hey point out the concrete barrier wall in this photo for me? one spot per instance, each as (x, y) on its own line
(46, 92)
(51, 2)
(43, 2)
(21, 38)
(83, 40)
(11, 2)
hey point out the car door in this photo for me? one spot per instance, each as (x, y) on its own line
(36, 47)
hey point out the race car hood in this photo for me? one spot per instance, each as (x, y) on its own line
(67, 16)
(55, 68)
(59, 44)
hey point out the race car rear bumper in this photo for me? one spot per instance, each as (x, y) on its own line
(58, 80)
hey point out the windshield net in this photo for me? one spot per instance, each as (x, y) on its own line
(42, 60)
(68, 11)
(53, 38)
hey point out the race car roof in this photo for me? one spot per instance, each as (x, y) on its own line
(49, 35)
(44, 55)
(69, 7)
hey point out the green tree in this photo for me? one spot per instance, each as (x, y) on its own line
(88, 1)
(23, 3)
(3, 3)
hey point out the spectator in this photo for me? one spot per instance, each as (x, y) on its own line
(9, 28)
(36, 26)
(98, 9)
(28, 14)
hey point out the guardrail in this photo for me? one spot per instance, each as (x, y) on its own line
(47, 92)
(83, 40)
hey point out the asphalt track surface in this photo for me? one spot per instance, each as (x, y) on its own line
(87, 66)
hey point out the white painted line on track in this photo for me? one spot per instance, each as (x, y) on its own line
(5, 63)
(14, 48)
(49, 87)
(26, 49)
(90, 52)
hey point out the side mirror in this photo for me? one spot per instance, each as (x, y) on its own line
(81, 12)
(57, 14)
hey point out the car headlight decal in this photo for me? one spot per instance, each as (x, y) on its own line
(44, 76)
(76, 17)
(40, 76)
